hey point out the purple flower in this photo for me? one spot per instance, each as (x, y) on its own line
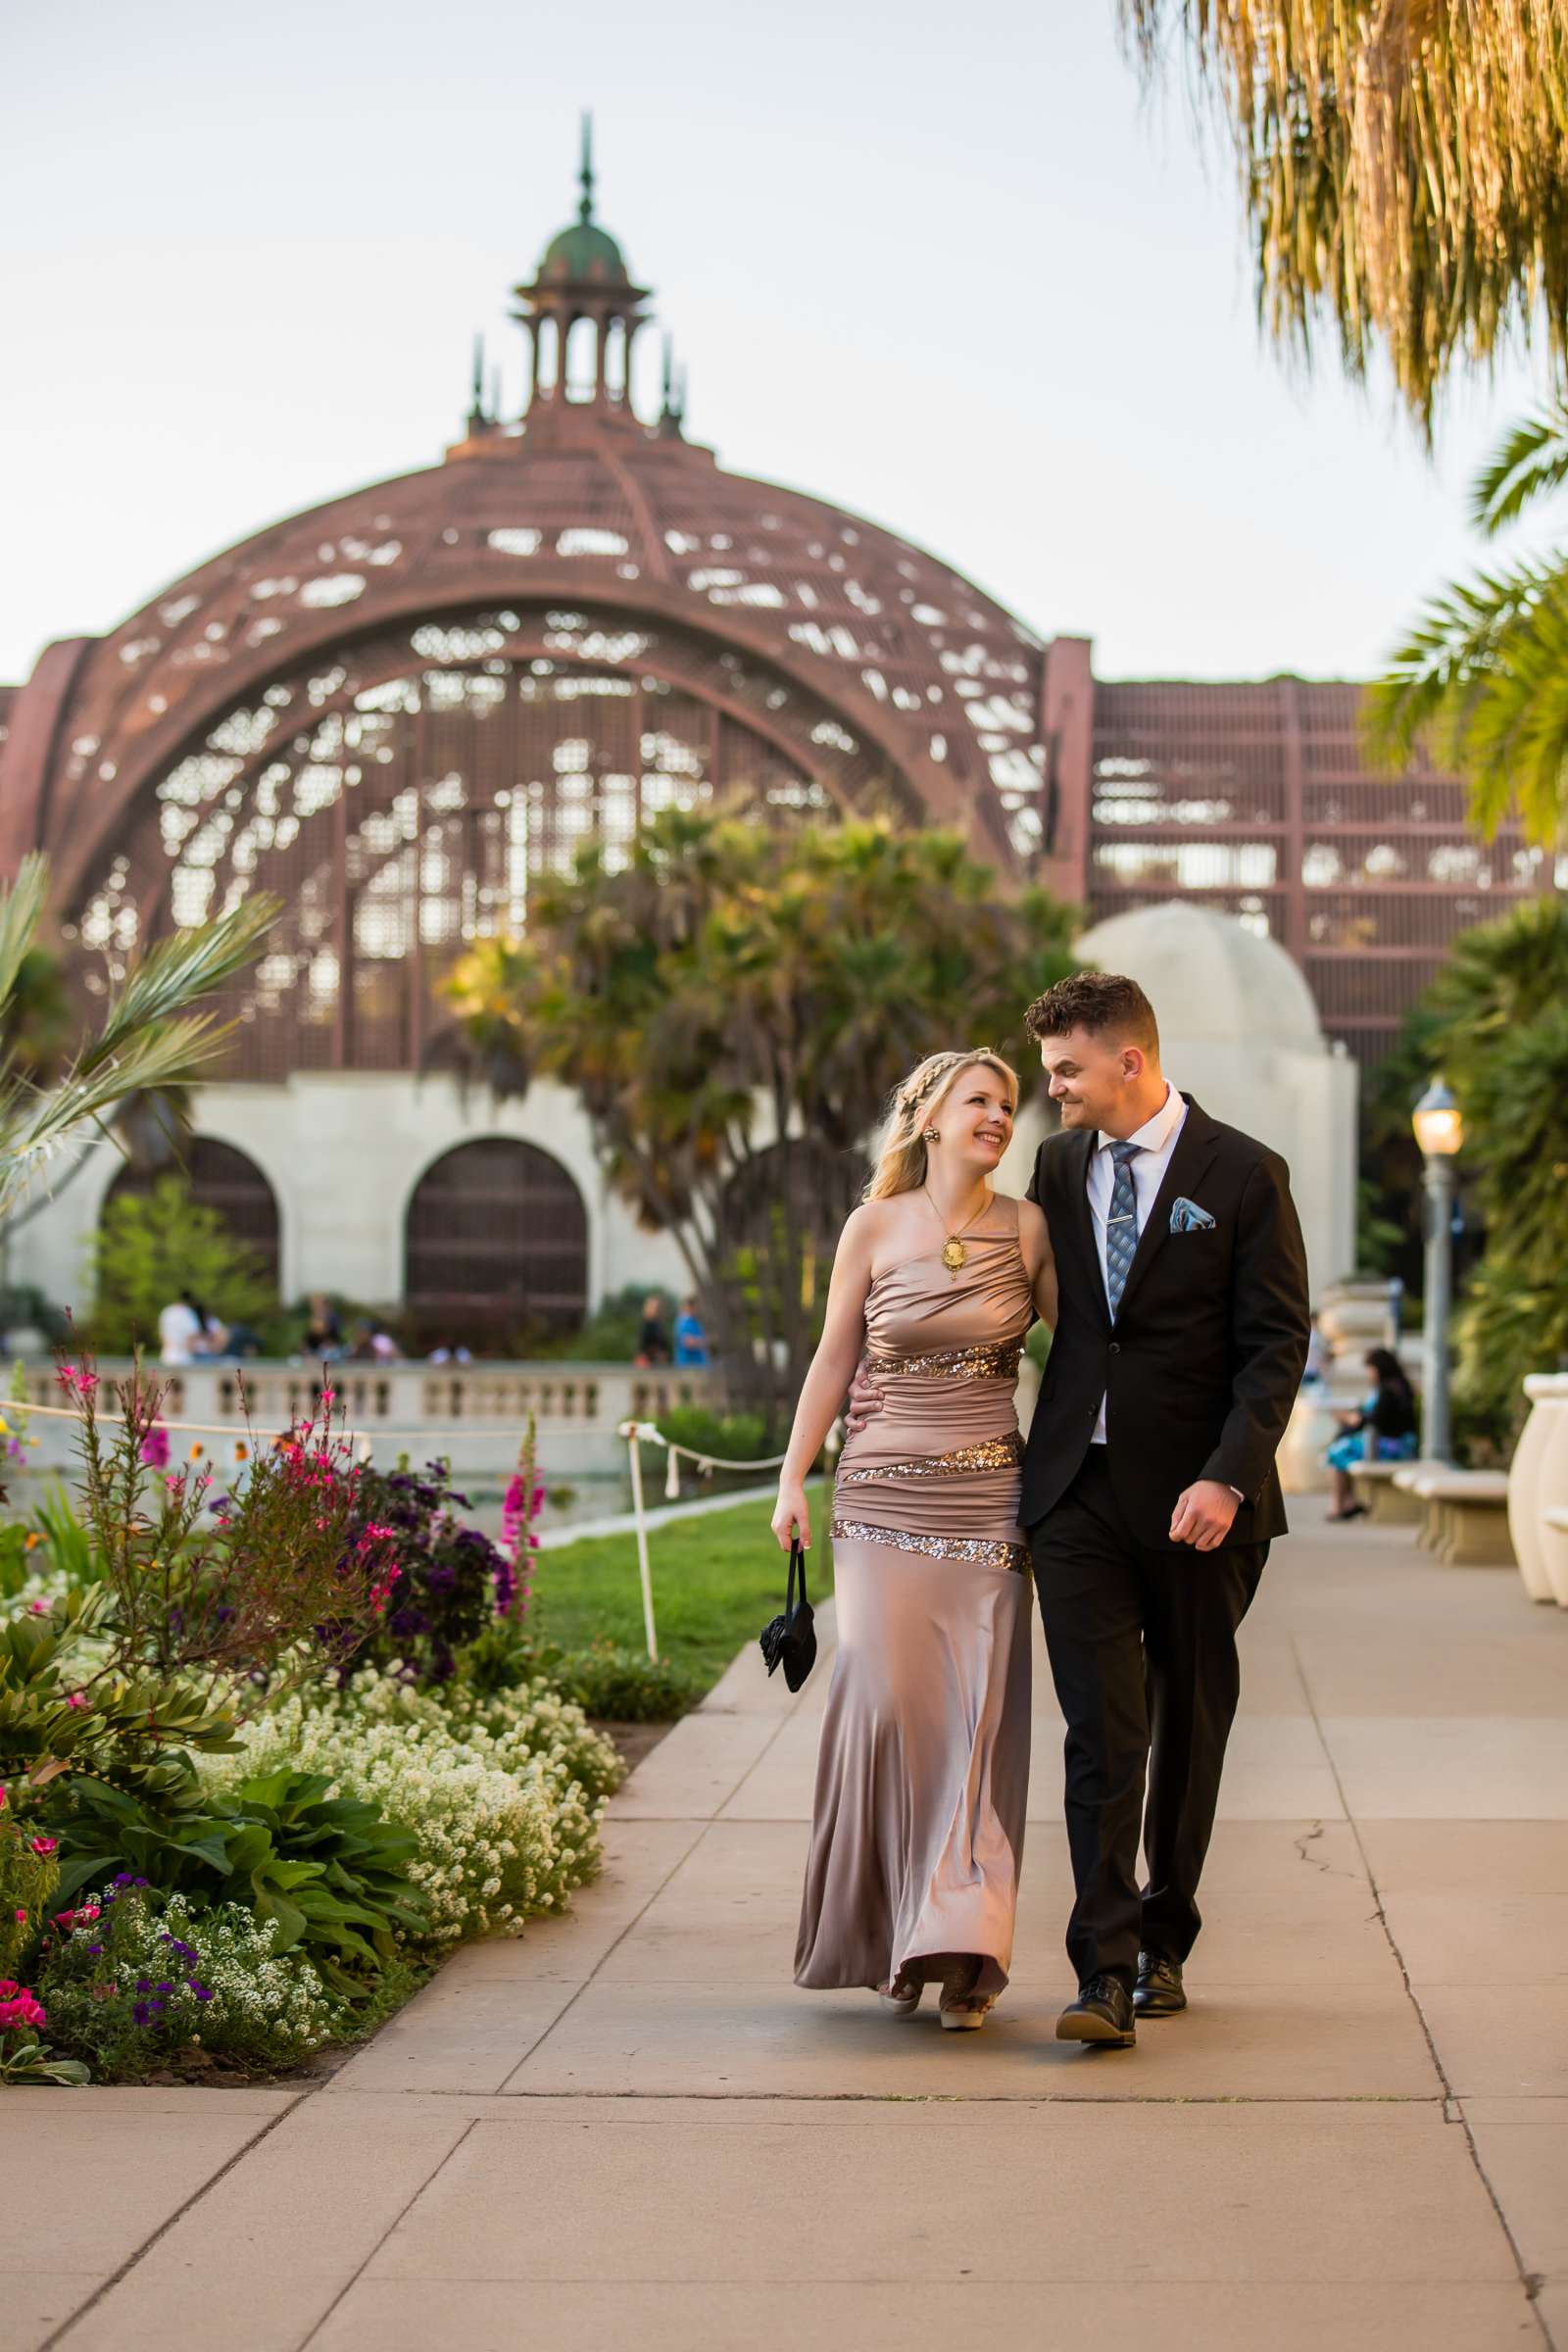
(121, 1878)
(165, 1988)
(142, 2014)
(94, 1949)
(203, 1993)
(144, 1983)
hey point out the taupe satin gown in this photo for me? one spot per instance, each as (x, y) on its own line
(923, 1769)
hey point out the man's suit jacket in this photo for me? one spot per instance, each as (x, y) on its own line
(1203, 1361)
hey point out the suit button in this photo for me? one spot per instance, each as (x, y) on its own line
(1115, 1346)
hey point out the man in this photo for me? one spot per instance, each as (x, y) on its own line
(1150, 1490)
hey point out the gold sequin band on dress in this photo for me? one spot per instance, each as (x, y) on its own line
(997, 1453)
(956, 1363)
(982, 1551)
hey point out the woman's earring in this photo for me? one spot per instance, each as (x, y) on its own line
(932, 1135)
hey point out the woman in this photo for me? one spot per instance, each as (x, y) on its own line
(1389, 1411)
(923, 1769)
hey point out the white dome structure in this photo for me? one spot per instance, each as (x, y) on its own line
(1209, 977)
(1240, 1031)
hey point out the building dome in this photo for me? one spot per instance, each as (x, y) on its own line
(584, 254)
(397, 709)
(1210, 980)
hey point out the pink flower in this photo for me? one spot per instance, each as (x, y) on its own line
(65, 1921)
(2, 1800)
(45, 1845)
(154, 1446)
(21, 1917)
(37, 1608)
(76, 1698)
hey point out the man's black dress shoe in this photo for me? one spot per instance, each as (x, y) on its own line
(1159, 1990)
(1102, 2012)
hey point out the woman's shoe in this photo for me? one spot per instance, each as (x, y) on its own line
(961, 2009)
(901, 1997)
(968, 2016)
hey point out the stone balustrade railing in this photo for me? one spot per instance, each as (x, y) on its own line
(473, 1415)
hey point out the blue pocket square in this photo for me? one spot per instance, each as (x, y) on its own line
(1186, 1217)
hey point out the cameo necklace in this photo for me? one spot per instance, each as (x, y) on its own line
(954, 1252)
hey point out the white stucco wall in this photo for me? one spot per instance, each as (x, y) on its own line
(343, 1151)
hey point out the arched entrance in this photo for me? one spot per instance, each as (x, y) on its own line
(225, 1180)
(495, 1247)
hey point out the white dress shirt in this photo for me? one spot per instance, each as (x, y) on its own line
(1157, 1139)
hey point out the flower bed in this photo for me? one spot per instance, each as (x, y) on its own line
(237, 1822)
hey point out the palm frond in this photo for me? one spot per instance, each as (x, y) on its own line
(1482, 685)
(1530, 461)
(21, 905)
(1403, 168)
(179, 971)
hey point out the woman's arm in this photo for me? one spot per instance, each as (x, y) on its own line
(1039, 1259)
(838, 1353)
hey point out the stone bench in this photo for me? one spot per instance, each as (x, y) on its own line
(1407, 1477)
(1387, 1505)
(1466, 1516)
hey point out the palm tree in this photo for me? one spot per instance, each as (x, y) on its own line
(149, 1046)
(1403, 168)
(1482, 679)
(732, 1006)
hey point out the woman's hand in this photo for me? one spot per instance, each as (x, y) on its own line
(791, 1515)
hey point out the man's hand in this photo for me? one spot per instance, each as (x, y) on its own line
(1202, 1515)
(865, 1402)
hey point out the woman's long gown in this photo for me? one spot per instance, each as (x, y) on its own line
(923, 1769)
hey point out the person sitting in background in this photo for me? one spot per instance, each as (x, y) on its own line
(1388, 1411)
(373, 1344)
(179, 1327)
(652, 1342)
(323, 1333)
(690, 1340)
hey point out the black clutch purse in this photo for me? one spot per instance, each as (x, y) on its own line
(790, 1641)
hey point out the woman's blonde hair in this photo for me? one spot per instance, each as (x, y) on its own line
(901, 1159)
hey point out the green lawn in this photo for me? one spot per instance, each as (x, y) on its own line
(716, 1580)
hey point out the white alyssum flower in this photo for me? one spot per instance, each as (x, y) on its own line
(504, 1796)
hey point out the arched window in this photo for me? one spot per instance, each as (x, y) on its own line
(496, 1246)
(221, 1178)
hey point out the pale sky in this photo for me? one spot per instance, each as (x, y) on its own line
(942, 266)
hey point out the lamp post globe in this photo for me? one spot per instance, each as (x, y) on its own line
(1439, 1132)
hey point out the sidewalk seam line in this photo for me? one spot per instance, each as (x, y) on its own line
(434, 2173)
(1526, 2277)
(161, 2232)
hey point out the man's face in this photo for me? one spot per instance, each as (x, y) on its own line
(1090, 1076)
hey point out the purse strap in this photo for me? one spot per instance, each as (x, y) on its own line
(797, 1560)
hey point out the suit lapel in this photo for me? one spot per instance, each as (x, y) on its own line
(1082, 1224)
(1195, 1147)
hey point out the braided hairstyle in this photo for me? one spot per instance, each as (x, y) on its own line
(901, 1156)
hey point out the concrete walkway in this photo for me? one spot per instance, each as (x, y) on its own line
(629, 2128)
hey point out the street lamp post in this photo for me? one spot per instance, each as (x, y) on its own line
(1439, 1132)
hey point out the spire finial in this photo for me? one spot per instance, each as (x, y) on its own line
(585, 209)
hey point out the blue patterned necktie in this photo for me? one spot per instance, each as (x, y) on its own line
(1121, 1224)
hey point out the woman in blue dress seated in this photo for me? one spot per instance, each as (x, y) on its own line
(1388, 1413)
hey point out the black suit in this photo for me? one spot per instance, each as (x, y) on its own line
(1198, 1373)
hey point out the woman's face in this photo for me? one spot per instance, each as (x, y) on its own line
(974, 1118)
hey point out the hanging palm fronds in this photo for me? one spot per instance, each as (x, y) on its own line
(1404, 166)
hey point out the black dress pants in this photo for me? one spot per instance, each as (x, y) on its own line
(1143, 1653)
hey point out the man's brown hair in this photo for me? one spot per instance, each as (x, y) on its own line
(1105, 1003)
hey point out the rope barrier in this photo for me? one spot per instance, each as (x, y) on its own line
(238, 1433)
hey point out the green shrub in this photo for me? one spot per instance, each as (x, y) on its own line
(620, 1685)
(150, 1246)
(329, 1870)
(152, 1976)
(28, 1877)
